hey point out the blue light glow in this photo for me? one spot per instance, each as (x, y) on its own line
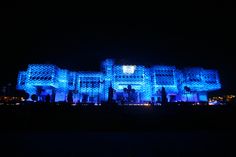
(134, 83)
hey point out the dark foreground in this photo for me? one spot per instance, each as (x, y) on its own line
(120, 131)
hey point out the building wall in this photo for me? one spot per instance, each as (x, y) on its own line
(142, 83)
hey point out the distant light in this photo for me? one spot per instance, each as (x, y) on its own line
(129, 69)
(146, 104)
(212, 103)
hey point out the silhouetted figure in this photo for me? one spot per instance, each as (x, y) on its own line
(26, 96)
(39, 91)
(85, 98)
(129, 90)
(34, 97)
(70, 97)
(125, 95)
(48, 98)
(153, 101)
(163, 96)
(53, 95)
(110, 94)
(129, 94)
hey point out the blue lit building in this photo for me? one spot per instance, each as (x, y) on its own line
(130, 83)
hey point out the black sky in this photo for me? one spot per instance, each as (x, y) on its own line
(181, 35)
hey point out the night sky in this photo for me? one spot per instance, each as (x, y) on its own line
(195, 35)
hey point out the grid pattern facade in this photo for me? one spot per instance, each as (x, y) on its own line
(130, 83)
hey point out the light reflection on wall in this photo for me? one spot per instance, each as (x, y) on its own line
(128, 69)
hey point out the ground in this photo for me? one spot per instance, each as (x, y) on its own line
(119, 131)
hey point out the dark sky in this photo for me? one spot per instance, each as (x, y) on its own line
(181, 35)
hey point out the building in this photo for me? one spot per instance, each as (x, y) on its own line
(130, 83)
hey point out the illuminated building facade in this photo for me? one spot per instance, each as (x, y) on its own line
(130, 83)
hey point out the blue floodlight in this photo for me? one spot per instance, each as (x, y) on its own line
(131, 83)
